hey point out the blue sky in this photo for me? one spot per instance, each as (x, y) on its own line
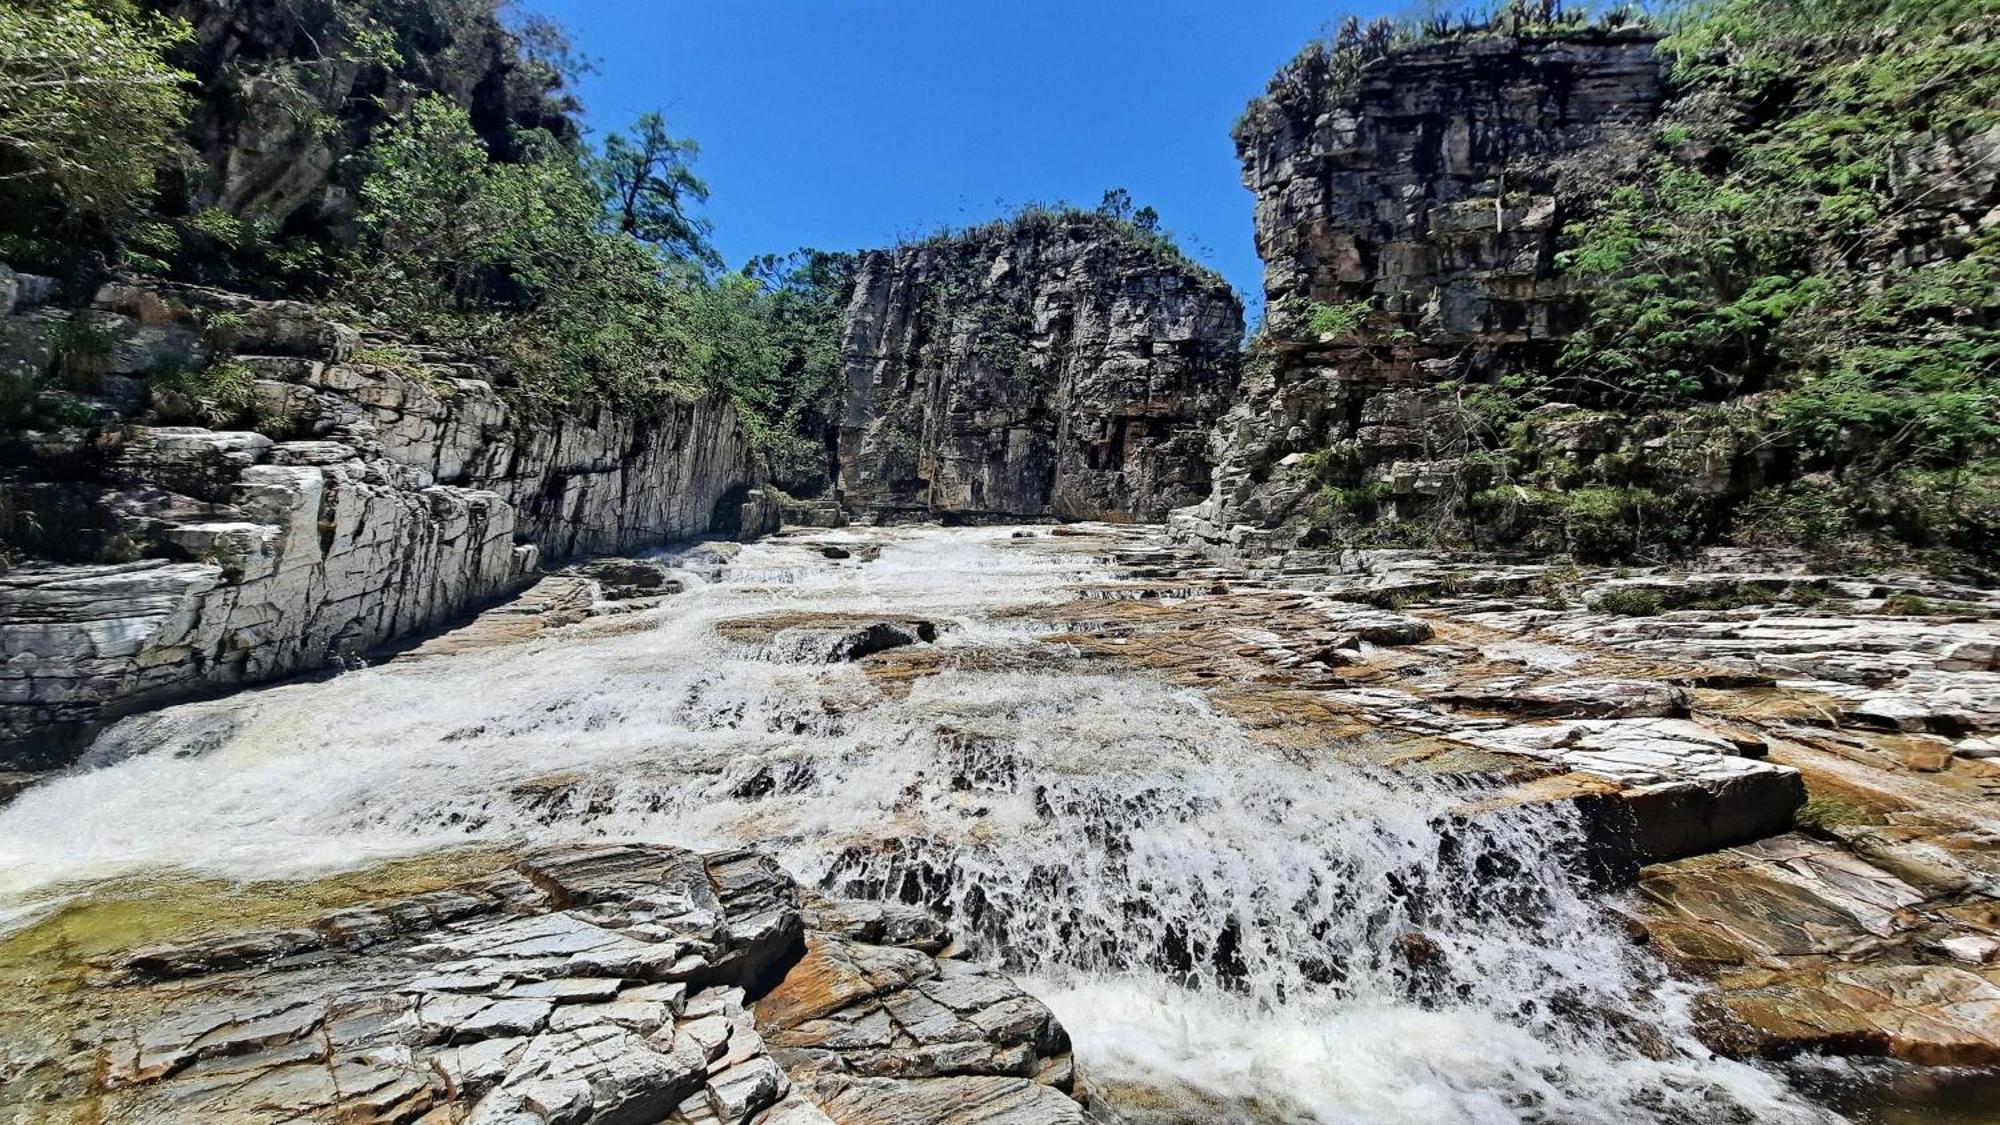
(847, 124)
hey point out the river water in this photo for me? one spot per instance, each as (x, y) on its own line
(1229, 932)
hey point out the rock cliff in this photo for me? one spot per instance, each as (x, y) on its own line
(341, 493)
(289, 89)
(1423, 199)
(1059, 365)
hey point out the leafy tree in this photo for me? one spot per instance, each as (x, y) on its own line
(1116, 203)
(89, 109)
(651, 188)
(804, 295)
(1146, 219)
(515, 259)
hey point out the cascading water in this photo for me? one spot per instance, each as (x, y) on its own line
(1229, 931)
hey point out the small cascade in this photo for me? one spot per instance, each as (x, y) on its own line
(1272, 935)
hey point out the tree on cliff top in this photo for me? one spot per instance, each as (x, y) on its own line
(652, 187)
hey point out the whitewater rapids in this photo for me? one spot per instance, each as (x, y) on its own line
(1228, 932)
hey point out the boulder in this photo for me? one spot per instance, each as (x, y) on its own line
(589, 984)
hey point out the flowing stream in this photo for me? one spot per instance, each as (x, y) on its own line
(1229, 932)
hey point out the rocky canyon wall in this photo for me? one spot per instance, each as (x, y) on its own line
(1061, 365)
(328, 494)
(290, 90)
(1424, 200)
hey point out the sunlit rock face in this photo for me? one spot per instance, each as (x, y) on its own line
(1435, 188)
(583, 984)
(1062, 366)
(400, 490)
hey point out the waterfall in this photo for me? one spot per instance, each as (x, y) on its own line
(1273, 934)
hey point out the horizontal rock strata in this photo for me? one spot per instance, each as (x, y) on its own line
(1431, 192)
(615, 983)
(402, 491)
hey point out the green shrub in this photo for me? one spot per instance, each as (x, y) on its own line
(1631, 601)
(90, 109)
(1907, 605)
(1800, 514)
(1833, 812)
(222, 392)
(82, 350)
(1333, 323)
(1776, 261)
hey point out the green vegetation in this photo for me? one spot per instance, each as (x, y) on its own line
(587, 275)
(1790, 337)
(220, 393)
(90, 109)
(1822, 813)
(650, 182)
(1631, 601)
(590, 278)
(1767, 248)
(1333, 323)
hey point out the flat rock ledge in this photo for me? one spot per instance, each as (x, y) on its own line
(617, 983)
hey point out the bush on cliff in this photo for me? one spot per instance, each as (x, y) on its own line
(1790, 237)
(589, 276)
(90, 109)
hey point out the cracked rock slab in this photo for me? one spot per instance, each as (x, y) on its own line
(620, 984)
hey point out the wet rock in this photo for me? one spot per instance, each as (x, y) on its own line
(550, 603)
(607, 984)
(1576, 699)
(620, 579)
(830, 639)
(1814, 948)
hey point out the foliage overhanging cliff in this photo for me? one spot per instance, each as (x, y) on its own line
(416, 166)
(1626, 289)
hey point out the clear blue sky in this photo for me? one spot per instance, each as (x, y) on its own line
(847, 124)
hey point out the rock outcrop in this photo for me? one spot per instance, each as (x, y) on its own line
(1061, 365)
(616, 983)
(1427, 194)
(288, 90)
(381, 492)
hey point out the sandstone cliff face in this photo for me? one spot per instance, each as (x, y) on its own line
(1434, 190)
(1056, 366)
(401, 490)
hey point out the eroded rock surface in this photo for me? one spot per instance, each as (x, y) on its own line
(1806, 763)
(1054, 366)
(612, 983)
(1432, 193)
(406, 491)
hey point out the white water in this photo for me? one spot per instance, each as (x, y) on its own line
(1221, 924)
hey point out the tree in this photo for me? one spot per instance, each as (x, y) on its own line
(651, 188)
(89, 107)
(1146, 219)
(1116, 203)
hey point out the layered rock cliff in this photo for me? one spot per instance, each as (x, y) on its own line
(342, 492)
(1585, 290)
(1421, 199)
(1062, 365)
